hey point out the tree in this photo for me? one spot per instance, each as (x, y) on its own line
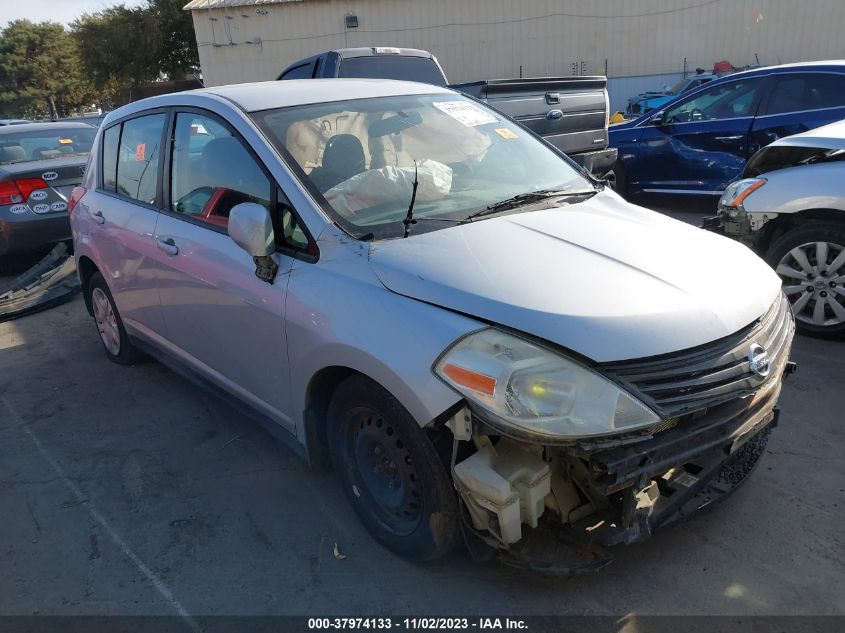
(122, 46)
(177, 42)
(118, 46)
(40, 71)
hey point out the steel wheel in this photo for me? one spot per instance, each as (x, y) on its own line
(106, 321)
(813, 275)
(386, 470)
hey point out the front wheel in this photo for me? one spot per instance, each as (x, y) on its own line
(391, 472)
(811, 263)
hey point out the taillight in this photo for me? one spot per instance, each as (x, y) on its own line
(28, 185)
(10, 194)
(17, 191)
(75, 197)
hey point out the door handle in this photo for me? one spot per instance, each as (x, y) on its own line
(168, 246)
(728, 138)
(98, 217)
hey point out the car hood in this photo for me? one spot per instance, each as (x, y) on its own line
(826, 143)
(603, 278)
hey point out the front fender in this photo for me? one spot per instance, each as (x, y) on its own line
(339, 315)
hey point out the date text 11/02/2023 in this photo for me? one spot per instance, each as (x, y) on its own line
(425, 623)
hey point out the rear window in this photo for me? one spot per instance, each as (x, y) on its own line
(806, 91)
(420, 69)
(22, 146)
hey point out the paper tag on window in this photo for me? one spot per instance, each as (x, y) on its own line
(140, 151)
(466, 113)
(506, 133)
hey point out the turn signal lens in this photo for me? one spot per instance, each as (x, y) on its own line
(470, 379)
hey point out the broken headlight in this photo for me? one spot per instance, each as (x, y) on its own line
(532, 389)
(736, 193)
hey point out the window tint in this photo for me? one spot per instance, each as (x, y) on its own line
(810, 91)
(212, 171)
(723, 101)
(299, 72)
(111, 138)
(420, 69)
(138, 157)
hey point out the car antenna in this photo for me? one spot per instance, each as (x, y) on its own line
(409, 219)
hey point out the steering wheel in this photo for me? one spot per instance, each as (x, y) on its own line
(696, 115)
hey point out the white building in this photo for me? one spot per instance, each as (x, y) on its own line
(640, 44)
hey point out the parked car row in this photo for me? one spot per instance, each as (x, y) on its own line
(485, 343)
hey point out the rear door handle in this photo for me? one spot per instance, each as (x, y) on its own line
(98, 217)
(167, 245)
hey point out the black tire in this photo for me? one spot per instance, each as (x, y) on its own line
(824, 287)
(124, 353)
(391, 472)
(620, 180)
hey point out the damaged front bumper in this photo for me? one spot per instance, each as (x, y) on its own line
(556, 508)
(741, 226)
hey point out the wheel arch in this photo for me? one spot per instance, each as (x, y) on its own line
(86, 267)
(785, 222)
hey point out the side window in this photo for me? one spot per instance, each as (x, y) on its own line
(304, 71)
(723, 101)
(138, 157)
(807, 91)
(211, 171)
(111, 138)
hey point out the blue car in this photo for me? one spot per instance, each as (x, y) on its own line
(699, 142)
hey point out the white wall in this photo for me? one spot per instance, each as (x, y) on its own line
(478, 39)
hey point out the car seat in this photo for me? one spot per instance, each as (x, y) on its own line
(12, 153)
(342, 159)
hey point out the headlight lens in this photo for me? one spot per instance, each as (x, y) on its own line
(737, 192)
(536, 390)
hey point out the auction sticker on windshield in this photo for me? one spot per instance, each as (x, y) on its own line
(467, 113)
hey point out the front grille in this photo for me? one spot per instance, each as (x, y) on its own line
(696, 379)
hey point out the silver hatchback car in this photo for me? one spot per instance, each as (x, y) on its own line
(412, 289)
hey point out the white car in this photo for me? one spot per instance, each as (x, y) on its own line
(790, 208)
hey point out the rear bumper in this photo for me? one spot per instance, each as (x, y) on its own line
(598, 162)
(27, 231)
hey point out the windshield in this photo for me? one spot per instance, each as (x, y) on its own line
(676, 89)
(20, 147)
(361, 158)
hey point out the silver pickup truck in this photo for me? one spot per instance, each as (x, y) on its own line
(571, 113)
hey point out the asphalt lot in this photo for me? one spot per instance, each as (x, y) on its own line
(129, 491)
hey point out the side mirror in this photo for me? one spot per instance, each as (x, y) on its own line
(657, 119)
(250, 228)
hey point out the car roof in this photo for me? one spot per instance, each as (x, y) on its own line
(831, 136)
(837, 65)
(40, 127)
(265, 95)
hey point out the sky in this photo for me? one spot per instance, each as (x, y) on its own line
(64, 11)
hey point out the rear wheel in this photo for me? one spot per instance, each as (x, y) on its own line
(113, 336)
(390, 471)
(811, 263)
(617, 179)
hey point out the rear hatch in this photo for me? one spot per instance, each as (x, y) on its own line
(43, 186)
(570, 112)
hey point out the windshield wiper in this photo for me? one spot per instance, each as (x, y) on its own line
(409, 219)
(526, 198)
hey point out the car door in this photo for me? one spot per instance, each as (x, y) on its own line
(799, 102)
(698, 144)
(220, 318)
(119, 218)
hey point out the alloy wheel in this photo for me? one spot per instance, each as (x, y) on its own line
(106, 321)
(813, 276)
